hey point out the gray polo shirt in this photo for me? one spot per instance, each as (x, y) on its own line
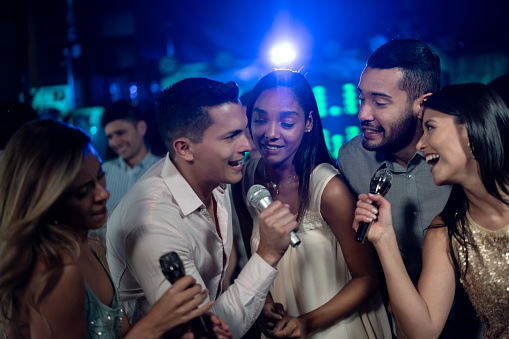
(414, 198)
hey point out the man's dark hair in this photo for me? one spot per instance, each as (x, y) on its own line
(419, 63)
(245, 98)
(182, 108)
(121, 110)
(13, 115)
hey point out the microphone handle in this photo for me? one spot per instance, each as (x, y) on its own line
(362, 230)
(263, 204)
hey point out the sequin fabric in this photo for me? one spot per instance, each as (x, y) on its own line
(486, 276)
(103, 321)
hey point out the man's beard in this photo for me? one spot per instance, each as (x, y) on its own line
(403, 131)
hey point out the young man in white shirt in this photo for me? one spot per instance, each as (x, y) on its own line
(182, 204)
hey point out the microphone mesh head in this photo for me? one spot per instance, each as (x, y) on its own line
(257, 193)
(381, 182)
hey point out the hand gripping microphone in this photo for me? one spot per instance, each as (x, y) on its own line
(173, 269)
(259, 197)
(380, 184)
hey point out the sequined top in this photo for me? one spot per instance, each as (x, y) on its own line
(486, 277)
(103, 321)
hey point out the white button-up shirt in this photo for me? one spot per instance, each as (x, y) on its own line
(161, 213)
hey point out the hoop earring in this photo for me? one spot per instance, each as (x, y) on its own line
(471, 148)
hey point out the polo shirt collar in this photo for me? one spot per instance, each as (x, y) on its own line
(395, 167)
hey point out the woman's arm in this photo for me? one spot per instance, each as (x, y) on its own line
(61, 312)
(337, 208)
(422, 313)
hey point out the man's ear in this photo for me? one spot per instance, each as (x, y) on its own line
(418, 104)
(183, 148)
(141, 127)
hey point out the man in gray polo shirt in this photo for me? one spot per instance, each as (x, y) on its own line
(399, 76)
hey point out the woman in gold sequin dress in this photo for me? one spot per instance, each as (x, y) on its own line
(466, 142)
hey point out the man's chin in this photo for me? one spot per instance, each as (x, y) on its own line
(371, 145)
(234, 179)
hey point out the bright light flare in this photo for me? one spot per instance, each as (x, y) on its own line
(283, 54)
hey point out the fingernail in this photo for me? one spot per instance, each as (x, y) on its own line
(374, 210)
(370, 219)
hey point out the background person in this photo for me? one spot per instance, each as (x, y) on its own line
(125, 128)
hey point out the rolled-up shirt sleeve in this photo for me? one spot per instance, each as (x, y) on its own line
(244, 299)
(160, 214)
(239, 305)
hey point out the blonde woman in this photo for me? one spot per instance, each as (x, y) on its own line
(54, 278)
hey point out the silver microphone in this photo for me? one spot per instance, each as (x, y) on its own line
(380, 184)
(259, 197)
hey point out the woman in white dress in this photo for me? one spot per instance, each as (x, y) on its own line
(327, 286)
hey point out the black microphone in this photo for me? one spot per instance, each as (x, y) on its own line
(259, 197)
(173, 269)
(380, 184)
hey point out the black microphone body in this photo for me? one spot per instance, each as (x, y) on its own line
(380, 184)
(259, 197)
(173, 269)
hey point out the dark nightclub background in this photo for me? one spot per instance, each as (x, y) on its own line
(72, 58)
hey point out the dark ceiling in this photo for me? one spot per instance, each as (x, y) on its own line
(240, 26)
(128, 38)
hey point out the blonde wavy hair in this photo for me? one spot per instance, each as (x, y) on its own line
(37, 168)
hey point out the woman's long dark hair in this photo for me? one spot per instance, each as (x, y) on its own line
(486, 119)
(312, 150)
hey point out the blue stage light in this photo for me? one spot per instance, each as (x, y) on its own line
(283, 54)
(133, 91)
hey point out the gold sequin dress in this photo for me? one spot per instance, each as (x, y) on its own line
(486, 277)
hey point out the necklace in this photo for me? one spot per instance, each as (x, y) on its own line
(283, 183)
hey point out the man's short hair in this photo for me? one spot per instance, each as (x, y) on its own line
(182, 108)
(121, 110)
(419, 63)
